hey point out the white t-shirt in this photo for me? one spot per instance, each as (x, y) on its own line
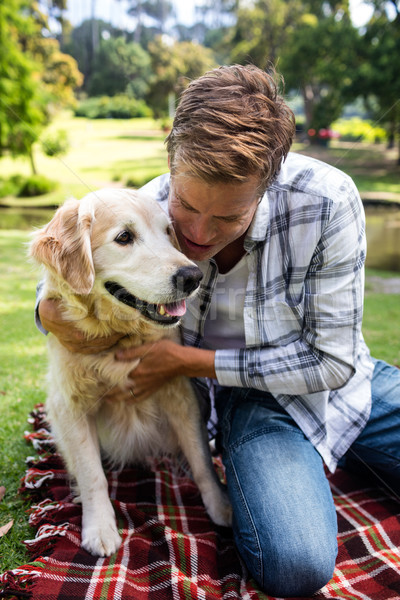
(224, 325)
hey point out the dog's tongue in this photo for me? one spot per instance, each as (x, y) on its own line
(175, 309)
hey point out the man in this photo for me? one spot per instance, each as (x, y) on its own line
(276, 326)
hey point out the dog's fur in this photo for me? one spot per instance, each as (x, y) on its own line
(124, 237)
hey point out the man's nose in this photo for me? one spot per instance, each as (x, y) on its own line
(201, 230)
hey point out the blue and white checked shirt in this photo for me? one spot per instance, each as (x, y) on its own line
(303, 307)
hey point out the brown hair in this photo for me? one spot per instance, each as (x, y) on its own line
(231, 123)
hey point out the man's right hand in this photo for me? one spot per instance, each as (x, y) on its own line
(69, 336)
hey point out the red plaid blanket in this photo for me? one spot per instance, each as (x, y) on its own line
(171, 549)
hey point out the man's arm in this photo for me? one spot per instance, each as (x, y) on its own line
(49, 318)
(325, 354)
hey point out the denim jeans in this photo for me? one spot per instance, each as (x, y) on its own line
(285, 523)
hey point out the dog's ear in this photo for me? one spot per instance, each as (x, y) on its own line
(64, 246)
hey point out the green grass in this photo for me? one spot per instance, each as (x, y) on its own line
(22, 373)
(102, 152)
(372, 166)
(381, 326)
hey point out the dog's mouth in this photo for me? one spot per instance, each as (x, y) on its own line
(166, 314)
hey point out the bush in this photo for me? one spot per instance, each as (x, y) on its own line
(8, 187)
(55, 144)
(115, 107)
(36, 185)
(359, 130)
(137, 181)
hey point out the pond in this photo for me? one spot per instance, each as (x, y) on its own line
(383, 237)
(24, 218)
(383, 231)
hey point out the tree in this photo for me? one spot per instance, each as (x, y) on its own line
(120, 67)
(79, 44)
(377, 78)
(262, 30)
(218, 12)
(22, 112)
(173, 65)
(158, 10)
(318, 61)
(34, 77)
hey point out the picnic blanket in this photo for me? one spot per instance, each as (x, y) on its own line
(171, 549)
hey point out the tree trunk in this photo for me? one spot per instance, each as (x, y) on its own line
(32, 161)
(308, 100)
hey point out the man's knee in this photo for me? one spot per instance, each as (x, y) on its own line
(291, 572)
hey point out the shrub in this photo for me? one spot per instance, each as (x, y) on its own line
(137, 181)
(115, 107)
(8, 187)
(55, 144)
(359, 130)
(36, 185)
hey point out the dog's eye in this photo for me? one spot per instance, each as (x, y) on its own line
(124, 238)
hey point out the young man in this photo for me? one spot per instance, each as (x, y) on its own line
(277, 324)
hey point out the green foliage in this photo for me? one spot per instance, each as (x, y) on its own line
(55, 143)
(36, 185)
(173, 66)
(33, 185)
(359, 130)
(263, 29)
(116, 107)
(34, 77)
(377, 76)
(10, 186)
(120, 67)
(316, 61)
(22, 111)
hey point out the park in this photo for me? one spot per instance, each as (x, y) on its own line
(89, 106)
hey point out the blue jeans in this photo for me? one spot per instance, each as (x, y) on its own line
(285, 523)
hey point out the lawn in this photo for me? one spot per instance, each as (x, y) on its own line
(102, 152)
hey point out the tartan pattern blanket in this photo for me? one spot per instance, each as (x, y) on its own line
(171, 549)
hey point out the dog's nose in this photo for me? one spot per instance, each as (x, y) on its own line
(187, 279)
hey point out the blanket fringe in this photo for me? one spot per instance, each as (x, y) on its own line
(17, 583)
(46, 538)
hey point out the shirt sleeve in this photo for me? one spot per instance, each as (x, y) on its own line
(325, 353)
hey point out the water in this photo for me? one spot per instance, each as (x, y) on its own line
(383, 231)
(24, 218)
(383, 238)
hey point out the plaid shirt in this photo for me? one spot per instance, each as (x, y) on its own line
(305, 251)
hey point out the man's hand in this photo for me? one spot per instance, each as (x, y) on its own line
(161, 361)
(68, 335)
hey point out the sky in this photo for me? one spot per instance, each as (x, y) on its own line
(114, 11)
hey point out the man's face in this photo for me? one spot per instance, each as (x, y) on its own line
(207, 217)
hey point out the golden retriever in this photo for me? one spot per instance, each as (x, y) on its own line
(112, 260)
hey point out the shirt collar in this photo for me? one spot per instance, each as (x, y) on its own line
(257, 231)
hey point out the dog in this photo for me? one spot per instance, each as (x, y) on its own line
(112, 260)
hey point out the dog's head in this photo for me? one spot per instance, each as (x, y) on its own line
(119, 242)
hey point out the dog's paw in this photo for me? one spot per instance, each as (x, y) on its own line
(102, 539)
(219, 508)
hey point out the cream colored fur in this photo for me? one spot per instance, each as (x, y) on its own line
(89, 404)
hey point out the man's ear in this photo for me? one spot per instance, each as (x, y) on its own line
(63, 245)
